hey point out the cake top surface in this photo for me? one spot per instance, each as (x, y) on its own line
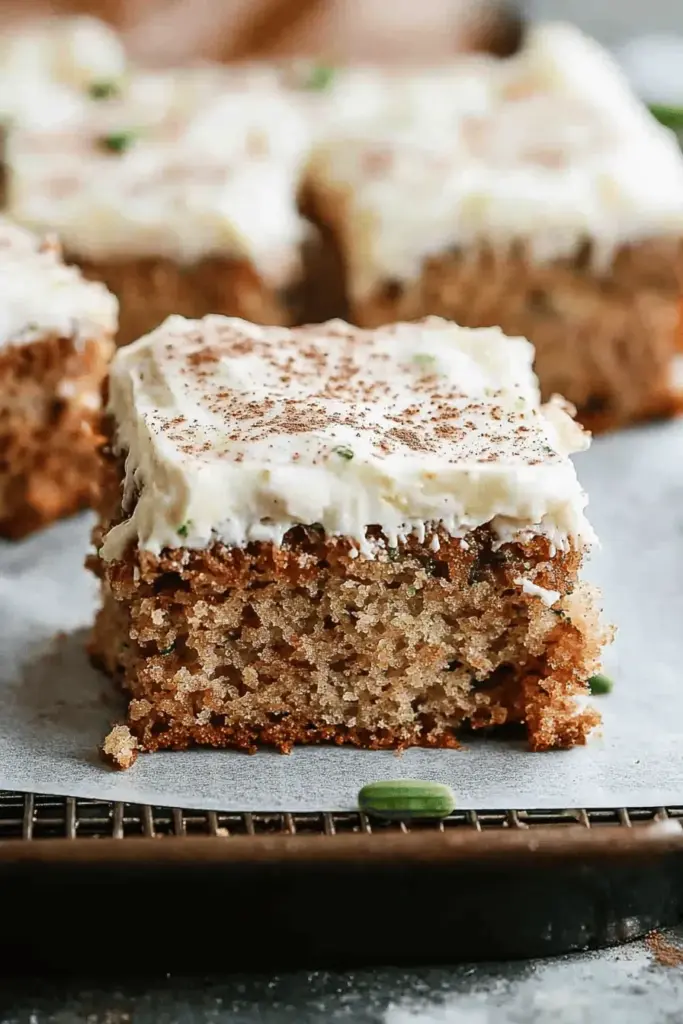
(48, 66)
(184, 164)
(74, 51)
(40, 294)
(237, 432)
(550, 146)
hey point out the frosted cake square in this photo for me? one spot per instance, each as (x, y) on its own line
(538, 194)
(331, 534)
(56, 339)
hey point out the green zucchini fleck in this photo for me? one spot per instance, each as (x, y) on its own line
(103, 89)
(343, 451)
(600, 684)
(320, 78)
(118, 142)
(671, 117)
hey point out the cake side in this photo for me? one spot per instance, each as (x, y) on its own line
(148, 288)
(306, 644)
(232, 621)
(303, 643)
(606, 342)
(56, 339)
(49, 429)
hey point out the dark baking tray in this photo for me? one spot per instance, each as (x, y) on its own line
(87, 883)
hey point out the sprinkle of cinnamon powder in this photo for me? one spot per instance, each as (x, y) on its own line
(325, 380)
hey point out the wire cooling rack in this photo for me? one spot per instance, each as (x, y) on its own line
(324, 889)
(33, 816)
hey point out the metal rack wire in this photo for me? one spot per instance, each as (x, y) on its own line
(31, 816)
(511, 883)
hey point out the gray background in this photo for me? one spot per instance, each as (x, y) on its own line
(613, 21)
(626, 985)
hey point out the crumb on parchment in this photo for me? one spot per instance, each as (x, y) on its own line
(665, 952)
(120, 748)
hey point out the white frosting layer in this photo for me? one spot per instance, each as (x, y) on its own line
(549, 146)
(236, 433)
(548, 597)
(73, 51)
(40, 294)
(210, 166)
(47, 66)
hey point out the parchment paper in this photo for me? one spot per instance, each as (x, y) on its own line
(55, 709)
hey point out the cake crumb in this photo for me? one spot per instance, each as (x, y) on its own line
(120, 748)
(665, 952)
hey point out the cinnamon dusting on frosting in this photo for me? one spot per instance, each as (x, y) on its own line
(245, 431)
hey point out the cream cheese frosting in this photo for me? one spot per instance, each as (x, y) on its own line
(235, 433)
(549, 146)
(74, 51)
(548, 597)
(48, 65)
(40, 294)
(203, 163)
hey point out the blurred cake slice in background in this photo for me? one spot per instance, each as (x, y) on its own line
(179, 191)
(337, 31)
(56, 339)
(538, 194)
